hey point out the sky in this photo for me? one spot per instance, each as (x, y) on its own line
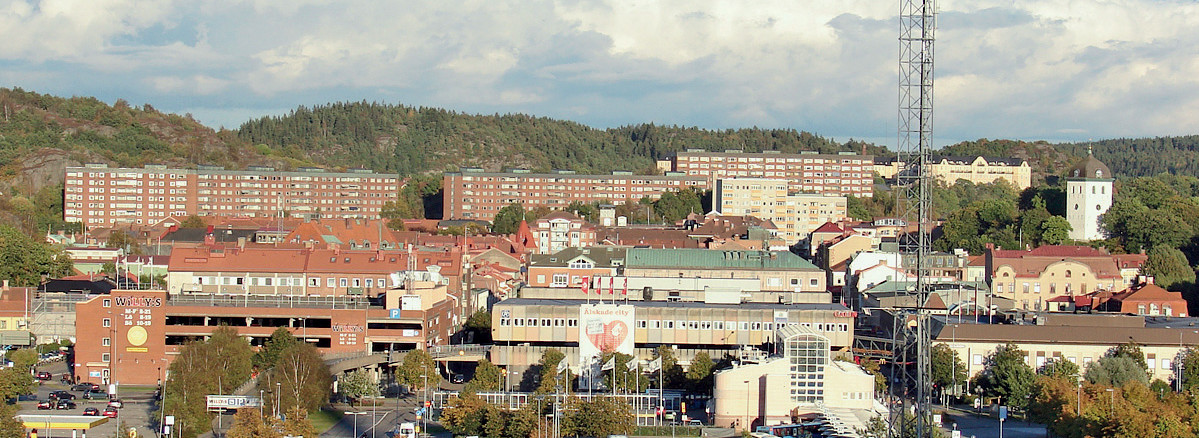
(1057, 70)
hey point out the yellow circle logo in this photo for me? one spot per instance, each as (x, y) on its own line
(137, 335)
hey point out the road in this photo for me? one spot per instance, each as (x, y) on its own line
(986, 427)
(384, 418)
(136, 412)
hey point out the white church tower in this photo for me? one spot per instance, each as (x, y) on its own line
(1088, 196)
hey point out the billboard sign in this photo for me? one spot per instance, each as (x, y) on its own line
(232, 402)
(604, 327)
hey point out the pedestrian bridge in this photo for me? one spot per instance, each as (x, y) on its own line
(459, 352)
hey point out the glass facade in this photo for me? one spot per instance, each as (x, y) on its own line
(808, 354)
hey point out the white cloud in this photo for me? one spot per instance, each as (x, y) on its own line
(1025, 69)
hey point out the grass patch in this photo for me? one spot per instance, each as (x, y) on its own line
(324, 419)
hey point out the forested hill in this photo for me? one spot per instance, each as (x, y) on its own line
(410, 140)
(1127, 157)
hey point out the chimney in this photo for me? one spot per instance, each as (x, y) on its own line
(209, 239)
(241, 243)
(211, 228)
(1148, 279)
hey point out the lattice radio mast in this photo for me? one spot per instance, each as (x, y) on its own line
(913, 328)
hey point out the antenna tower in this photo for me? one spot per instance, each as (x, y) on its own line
(912, 328)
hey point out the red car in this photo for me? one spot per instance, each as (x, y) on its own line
(42, 375)
(45, 404)
(110, 412)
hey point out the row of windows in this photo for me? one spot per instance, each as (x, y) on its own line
(291, 281)
(681, 324)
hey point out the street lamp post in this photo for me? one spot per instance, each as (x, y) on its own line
(1111, 407)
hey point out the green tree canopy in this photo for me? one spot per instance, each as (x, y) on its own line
(548, 380)
(358, 384)
(507, 220)
(947, 368)
(1116, 371)
(1059, 368)
(487, 378)
(1169, 267)
(1055, 230)
(281, 339)
(1006, 375)
(26, 260)
(417, 368)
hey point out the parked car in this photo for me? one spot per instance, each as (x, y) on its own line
(85, 387)
(43, 375)
(110, 412)
(91, 412)
(694, 422)
(116, 403)
(95, 395)
(65, 404)
(457, 378)
(45, 404)
(62, 395)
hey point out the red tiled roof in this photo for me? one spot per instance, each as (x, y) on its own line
(829, 227)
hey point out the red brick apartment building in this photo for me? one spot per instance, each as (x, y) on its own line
(474, 194)
(99, 196)
(130, 337)
(839, 174)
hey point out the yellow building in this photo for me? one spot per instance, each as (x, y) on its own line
(1031, 278)
(976, 169)
(1081, 339)
(794, 214)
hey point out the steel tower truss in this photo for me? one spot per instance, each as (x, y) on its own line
(912, 328)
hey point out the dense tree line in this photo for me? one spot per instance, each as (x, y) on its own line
(410, 140)
(1127, 157)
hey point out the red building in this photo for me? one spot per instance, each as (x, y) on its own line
(97, 196)
(130, 337)
(475, 194)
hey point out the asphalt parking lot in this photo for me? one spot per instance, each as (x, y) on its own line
(138, 405)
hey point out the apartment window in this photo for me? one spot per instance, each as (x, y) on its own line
(331, 282)
(795, 282)
(107, 302)
(370, 282)
(504, 322)
(105, 357)
(106, 322)
(559, 280)
(105, 342)
(357, 282)
(977, 359)
(656, 324)
(668, 323)
(641, 323)
(559, 322)
(572, 322)
(343, 282)
(813, 282)
(541, 279)
(531, 322)
(1165, 363)
(744, 326)
(520, 322)
(545, 322)
(1026, 287)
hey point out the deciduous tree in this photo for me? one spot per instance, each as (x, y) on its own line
(487, 378)
(1006, 375)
